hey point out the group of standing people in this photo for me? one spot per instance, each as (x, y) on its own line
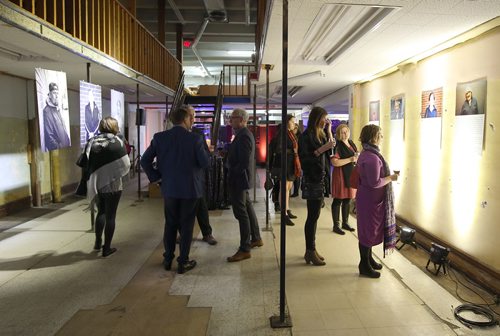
(182, 155)
(368, 170)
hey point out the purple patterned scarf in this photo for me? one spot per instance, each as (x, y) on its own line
(390, 215)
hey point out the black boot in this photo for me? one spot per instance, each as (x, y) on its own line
(336, 218)
(375, 265)
(345, 215)
(365, 269)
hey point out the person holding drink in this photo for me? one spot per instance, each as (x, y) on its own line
(344, 160)
(314, 146)
(374, 202)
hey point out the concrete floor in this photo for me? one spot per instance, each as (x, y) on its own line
(52, 282)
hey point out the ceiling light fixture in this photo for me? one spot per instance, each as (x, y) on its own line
(338, 27)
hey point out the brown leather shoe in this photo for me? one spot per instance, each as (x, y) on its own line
(256, 243)
(239, 256)
(209, 239)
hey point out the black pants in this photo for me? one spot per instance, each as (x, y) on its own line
(336, 205)
(313, 212)
(296, 186)
(107, 204)
(179, 217)
(203, 217)
(275, 192)
(245, 214)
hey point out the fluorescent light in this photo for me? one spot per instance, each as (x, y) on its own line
(337, 27)
(242, 53)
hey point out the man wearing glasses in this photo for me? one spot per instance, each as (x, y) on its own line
(240, 155)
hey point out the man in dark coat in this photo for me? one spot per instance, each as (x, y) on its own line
(55, 134)
(180, 162)
(241, 153)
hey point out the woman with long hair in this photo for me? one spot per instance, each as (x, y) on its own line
(107, 164)
(374, 201)
(343, 161)
(314, 146)
(293, 168)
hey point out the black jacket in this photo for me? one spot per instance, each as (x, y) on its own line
(313, 167)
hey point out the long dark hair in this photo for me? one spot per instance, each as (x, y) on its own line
(314, 118)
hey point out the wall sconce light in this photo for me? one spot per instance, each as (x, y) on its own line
(439, 256)
(406, 236)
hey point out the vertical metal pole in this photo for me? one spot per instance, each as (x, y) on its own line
(283, 321)
(268, 66)
(139, 195)
(255, 130)
(92, 203)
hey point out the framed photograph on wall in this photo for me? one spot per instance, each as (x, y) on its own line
(398, 107)
(374, 112)
(471, 98)
(53, 109)
(432, 103)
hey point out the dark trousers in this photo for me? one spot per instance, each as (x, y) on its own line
(203, 218)
(245, 214)
(107, 204)
(296, 186)
(313, 212)
(275, 192)
(179, 217)
(336, 205)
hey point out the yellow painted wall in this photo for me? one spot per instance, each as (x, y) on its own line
(442, 190)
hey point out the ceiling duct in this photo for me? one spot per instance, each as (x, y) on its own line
(216, 10)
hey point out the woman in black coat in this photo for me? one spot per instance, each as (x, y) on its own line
(314, 149)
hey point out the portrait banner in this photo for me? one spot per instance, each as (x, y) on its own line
(470, 116)
(118, 109)
(90, 111)
(53, 109)
(431, 119)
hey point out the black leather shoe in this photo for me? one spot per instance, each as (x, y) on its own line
(107, 252)
(347, 227)
(338, 230)
(288, 221)
(167, 264)
(294, 195)
(187, 266)
(290, 214)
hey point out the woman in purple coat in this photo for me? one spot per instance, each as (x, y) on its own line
(374, 201)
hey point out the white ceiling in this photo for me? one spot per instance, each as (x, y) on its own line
(416, 26)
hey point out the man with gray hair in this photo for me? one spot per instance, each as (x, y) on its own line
(239, 158)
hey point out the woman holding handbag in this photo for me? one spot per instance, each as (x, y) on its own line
(314, 146)
(344, 160)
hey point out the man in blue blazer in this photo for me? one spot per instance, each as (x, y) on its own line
(180, 162)
(239, 158)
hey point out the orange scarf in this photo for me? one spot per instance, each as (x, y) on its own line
(296, 161)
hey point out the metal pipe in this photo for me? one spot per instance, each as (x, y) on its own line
(268, 66)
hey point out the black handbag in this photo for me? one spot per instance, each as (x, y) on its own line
(81, 189)
(312, 190)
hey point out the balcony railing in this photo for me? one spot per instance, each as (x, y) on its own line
(235, 79)
(107, 26)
